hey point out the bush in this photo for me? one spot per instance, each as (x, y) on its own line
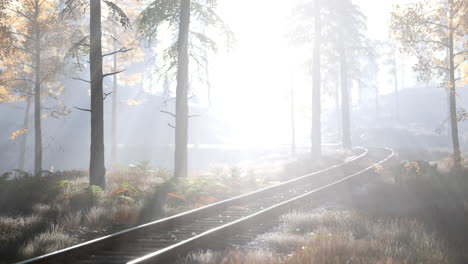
(17, 196)
(438, 200)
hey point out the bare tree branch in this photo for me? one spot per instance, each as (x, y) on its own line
(79, 79)
(82, 109)
(169, 113)
(460, 53)
(122, 50)
(105, 95)
(112, 73)
(22, 14)
(171, 125)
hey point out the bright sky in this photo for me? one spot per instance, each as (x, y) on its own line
(252, 82)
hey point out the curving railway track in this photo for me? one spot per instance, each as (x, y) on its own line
(216, 225)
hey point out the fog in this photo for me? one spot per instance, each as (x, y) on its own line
(247, 103)
(233, 131)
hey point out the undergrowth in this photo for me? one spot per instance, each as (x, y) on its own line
(50, 211)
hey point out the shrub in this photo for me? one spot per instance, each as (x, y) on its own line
(17, 196)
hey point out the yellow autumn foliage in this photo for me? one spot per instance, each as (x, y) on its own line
(18, 133)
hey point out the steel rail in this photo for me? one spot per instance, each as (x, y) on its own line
(69, 254)
(202, 241)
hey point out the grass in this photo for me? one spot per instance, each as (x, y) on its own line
(330, 236)
(60, 209)
(411, 213)
(232, 257)
(51, 240)
(14, 231)
(421, 192)
(351, 237)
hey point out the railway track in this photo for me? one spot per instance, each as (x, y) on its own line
(164, 240)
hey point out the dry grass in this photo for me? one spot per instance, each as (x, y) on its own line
(283, 242)
(330, 237)
(96, 218)
(128, 214)
(71, 220)
(66, 201)
(360, 239)
(14, 231)
(233, 257)
(49, 241)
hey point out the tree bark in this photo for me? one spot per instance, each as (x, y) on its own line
(37, 96)
(181, 130)
(453, 101)
(345, 111)
(316, 136)
(97, 170)
(114, 158)
(22, 155)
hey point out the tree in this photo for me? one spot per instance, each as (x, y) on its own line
(435, 34)
(97, 170)
(337, 37)
(316, 150)
(390, 59)
(350, 24)
(189, 45)
(33, 56)
(124, 49)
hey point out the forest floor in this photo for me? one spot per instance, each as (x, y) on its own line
(412, 213)
(44, 214)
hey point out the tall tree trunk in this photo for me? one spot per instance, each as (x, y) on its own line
(181, 130)
(293, 120)
(345, 111)
(453, 102)
(22, 155)
(316, 135)
(97, 170)
(37, 96)
(114, 158)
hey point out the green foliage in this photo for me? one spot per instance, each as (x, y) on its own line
(18, 195)
(118, 14)
(162, 14)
